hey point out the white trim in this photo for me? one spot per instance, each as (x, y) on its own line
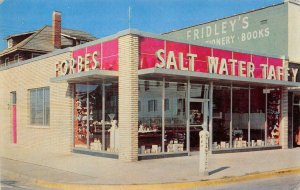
(214, 77)
(88, 75)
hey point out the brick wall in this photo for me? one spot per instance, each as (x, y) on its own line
(56, 29)
(128, 97)
(54, 138)
(284, 119)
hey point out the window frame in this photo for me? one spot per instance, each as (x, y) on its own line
(44, 103)
(9, 43)
(152, 105)
(16, 61)
(33, 55)
(6, 61)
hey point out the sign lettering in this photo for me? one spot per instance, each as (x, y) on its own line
(223, 66)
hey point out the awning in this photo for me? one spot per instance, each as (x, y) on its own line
(154, 73)
(89, 76)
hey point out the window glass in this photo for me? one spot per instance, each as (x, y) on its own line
(257, 117)
(273, 116)
(150, 117)
(221, 117)
(175, 117)
(16, 58)
(111, 117)
(240, 116)
(80, 115)
(95, 117)
(90, 126)
(198, 112)
(39, 106)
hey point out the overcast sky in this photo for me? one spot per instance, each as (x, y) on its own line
(105, 17)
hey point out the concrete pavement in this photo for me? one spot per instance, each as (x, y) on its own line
(78, 169)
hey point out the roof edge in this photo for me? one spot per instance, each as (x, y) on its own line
(224, 18)
(54, 53)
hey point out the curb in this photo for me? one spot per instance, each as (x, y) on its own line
(165, 186)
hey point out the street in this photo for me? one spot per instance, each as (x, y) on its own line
(289, 182)
(17, 184)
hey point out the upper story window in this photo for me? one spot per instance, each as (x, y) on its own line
(152, 105)
(16, 58)
(6, 61)
(82, 41)
(35, 55)
(9, 43)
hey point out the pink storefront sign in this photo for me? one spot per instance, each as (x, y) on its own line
(102, 56)
(157, 53)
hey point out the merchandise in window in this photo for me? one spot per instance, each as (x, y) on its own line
(150, 117)
(240, 116)
(175, 117)
(96, 113)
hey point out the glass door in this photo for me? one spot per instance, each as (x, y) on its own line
(296, 120)
(198, 121)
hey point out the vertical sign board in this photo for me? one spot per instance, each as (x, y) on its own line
(203, 152)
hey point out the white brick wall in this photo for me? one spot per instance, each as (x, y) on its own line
(54, 138)
(284, 119)
(128, 97)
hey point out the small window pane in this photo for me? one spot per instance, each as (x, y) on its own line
(39, 106)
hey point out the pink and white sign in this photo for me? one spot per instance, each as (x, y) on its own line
(102, 56)
(14, 122)
(156, 53)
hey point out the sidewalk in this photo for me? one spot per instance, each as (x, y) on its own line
(84, 169)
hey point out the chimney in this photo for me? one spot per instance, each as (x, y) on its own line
(56, 29)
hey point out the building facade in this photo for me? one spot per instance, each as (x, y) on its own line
(135, 95)
(272, 30)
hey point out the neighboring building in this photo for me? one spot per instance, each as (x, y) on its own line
(273, 31)
(28, 45)
(135, 95)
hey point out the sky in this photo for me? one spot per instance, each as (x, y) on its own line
(106, 17)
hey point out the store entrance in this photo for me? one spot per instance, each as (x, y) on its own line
(198, 120)
(296, 121)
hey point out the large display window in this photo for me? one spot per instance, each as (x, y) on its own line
(221, 117)
(273, 116)
(240, 116)
(96, 117)
(198, 113)
(257, 117)
(175, 117)
(245, 116)
(150, 117)
(162, 117)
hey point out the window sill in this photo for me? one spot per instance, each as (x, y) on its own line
(38, 126)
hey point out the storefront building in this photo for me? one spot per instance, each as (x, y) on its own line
(136, 95)
(272, 30)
